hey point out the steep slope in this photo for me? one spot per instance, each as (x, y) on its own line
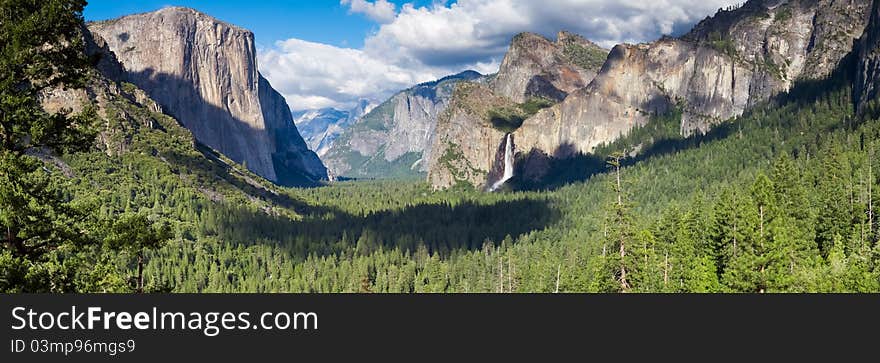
(144, 154)
(536, 67)
(535, 73)
(726, 64)
(394, 138)
(321, 127)
(867, 82)
(204, 73)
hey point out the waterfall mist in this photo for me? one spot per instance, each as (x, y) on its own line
(508, 163)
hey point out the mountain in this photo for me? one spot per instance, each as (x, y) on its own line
(321, 127)
(536, 67)
(394, 139)
(204, 73)
(779, 199)
(728, 63)
(141, 151)
(536, 73)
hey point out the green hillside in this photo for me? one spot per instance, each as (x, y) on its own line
(779, 200)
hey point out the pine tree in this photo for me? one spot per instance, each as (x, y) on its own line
(793, 206)
(731, 228)
(136, 234)
(620, 231)
(41, 49)
(737, 233)
(834, 216)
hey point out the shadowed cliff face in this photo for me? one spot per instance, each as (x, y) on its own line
(726, 64)
(867, 80)
(204, 73)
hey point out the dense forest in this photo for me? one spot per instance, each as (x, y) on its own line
(778, 200)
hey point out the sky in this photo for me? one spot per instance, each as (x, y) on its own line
(334, 53)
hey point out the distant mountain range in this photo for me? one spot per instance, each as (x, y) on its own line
(394, 138)
(321, 127)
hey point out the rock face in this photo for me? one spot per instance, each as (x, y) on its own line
(320, 128)
(393, 139)
(536, 67)
(867, 82)
(467, 141)
(203, 72)
(112, 103)
(727, 63)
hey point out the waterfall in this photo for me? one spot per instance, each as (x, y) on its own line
(508, 164)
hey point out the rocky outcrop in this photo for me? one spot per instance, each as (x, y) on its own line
(395, 138)
(534, 68)
(727, 63)
(467, 143)
(130, 122)
(638, 81)
(867, 82)
(203, 72)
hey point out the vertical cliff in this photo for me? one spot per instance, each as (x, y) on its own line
(726, 64)
(204, 73)
(395, 139)
(535, 73)
(867, 82)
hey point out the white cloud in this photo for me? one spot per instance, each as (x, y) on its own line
(471, 30)
(419, 44)
(380, 11)
(313, 75)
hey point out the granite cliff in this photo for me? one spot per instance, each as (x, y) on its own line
(726, 64)
(204, 73)
(867, 79)
(536, 73)
(394, 138)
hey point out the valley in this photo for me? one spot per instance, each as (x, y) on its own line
(683, 202)
(739, 157)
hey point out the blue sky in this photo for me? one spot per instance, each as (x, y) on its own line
(323, 21)
(335, 53)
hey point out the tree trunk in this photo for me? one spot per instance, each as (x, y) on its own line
(16, 243)
(619, 197)
(761, 213)
(509, 275)
(666, 269)
(623, 284)
(870, 196)
(140, 277)
(501, 274)
(734, 239)
(558, 270)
